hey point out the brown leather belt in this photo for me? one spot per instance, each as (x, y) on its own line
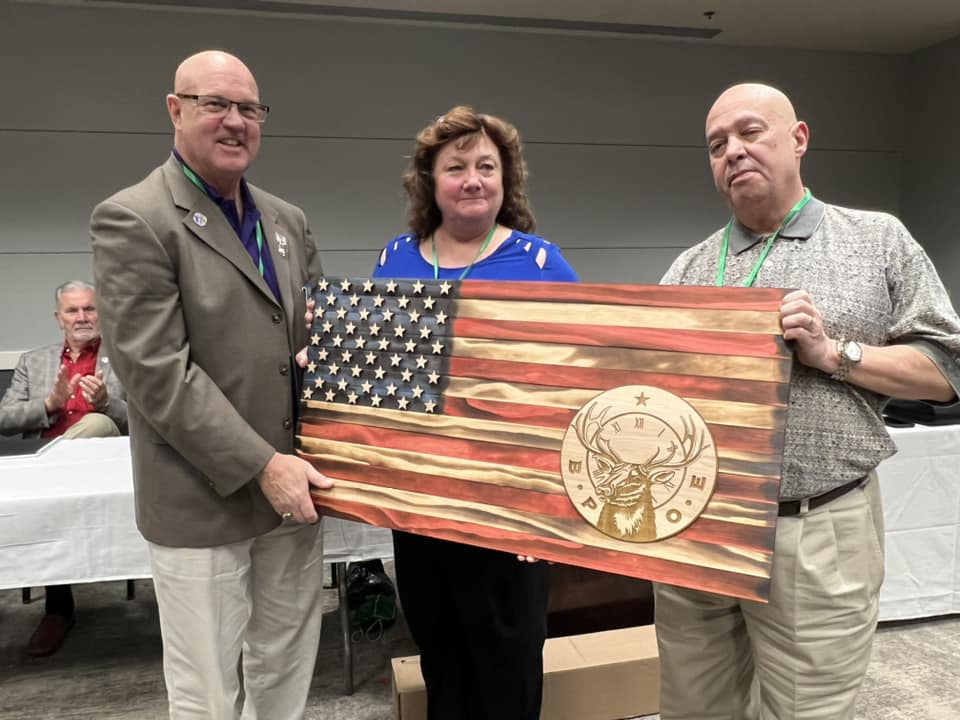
(789, 508)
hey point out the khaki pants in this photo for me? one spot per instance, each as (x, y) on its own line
(803, 656)
(92, 425)
(256, 603)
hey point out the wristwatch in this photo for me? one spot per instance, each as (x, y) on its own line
(850, 354)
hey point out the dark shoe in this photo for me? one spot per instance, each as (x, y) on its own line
(49, 635)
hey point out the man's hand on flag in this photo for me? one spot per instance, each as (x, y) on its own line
(286, 481)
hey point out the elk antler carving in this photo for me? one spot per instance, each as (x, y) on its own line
(693, 444)
(588, 427)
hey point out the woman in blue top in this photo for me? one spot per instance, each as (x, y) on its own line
(478, 616)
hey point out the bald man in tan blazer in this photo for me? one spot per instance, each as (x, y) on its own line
(200, 277)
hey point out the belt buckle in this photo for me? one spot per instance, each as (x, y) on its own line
(804, 506)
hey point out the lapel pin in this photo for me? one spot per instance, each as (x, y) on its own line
(200, 219)
(281, 245)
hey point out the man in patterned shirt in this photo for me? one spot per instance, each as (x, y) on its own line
(870, 321)
(66, 389)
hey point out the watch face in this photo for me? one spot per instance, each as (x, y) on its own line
(852, 351)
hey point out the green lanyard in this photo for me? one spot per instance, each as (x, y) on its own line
(466, 270)
(191, 176)
(722, 264)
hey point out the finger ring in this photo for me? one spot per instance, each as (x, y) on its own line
(286, 516)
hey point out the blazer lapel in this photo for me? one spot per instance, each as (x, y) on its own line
(205, 220)
(280, 246)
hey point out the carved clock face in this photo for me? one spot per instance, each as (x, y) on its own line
(639, 463)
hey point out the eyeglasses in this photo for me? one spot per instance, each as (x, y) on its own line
(217, 106)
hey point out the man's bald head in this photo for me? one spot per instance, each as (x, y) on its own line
(212, 136)
(755, 143)
(763, 98)
(192, 71)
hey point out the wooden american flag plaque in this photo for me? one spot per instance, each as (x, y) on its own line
(630, 429)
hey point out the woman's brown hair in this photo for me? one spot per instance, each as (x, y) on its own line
(464, 126)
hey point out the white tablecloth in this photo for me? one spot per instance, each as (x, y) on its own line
(920, 486)
(67, 516)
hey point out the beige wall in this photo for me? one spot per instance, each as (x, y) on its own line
(613, 129)
(931, 158)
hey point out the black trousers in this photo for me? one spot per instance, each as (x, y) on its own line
(479, 618)
(59, 600)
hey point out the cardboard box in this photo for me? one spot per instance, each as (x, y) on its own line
(600, 676)
(409, 694)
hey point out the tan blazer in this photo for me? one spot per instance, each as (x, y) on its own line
(204, 351)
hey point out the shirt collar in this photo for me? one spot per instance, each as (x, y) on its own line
(801, 227)
(88, 349)
(249, 208)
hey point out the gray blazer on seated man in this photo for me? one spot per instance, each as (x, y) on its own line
(68, 390)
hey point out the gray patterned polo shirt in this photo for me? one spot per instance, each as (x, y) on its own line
(873, 283)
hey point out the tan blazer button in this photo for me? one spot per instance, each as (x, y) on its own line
(287, 424)
(284, 370)
(276, 318)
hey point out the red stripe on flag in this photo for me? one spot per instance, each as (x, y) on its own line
(524, 500)
(487, 452)
(696, 298)
(706, 531)
(501, 410)
(707, 579)
(567, 376)
(743, 439)
(752, 488)
(696, 341)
